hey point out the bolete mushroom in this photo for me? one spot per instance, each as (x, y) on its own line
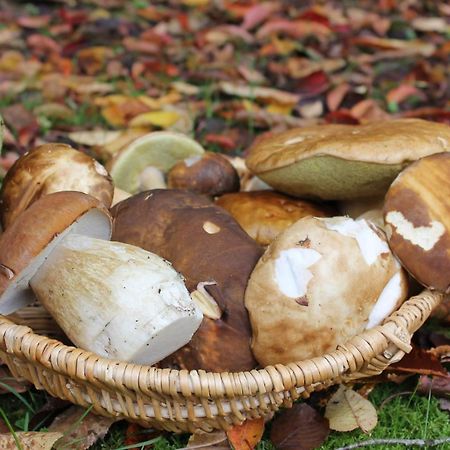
(159, 151)
(51, 168)
(417, 217)
(216, 257)
(209, 174)
(116, 300)
(322, 281)
(334, 162)
(265, 214)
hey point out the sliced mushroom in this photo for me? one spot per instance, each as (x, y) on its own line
(110, 298)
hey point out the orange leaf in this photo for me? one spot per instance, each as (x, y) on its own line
(402, 92)
(247, 435)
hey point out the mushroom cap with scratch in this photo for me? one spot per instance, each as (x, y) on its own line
(214, 254)
(320, 282)
(51, 168)
(417, 218)
(334, 162)
(32, 236)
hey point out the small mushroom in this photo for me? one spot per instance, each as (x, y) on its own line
(116, 300)
(335, 162)
(216, 257)
(210, 174)
(322, 281)
(51, 168)
(159, 150)
(265, 214)
(417, 218)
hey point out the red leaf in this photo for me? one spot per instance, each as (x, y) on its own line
(342, 116)
(299, 428)
(43, 44)
(247, 435)
(439, 386)
(34, 21)
(421, 362)
(73, 17)
(258, 14)
(313, 84)
(221, 140)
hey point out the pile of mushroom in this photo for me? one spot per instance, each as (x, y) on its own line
(186, 282)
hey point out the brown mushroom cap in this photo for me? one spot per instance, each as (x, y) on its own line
(417, 217)
(206, 245)
(321, 282)
(335, 162)
(265, 214)
(210, 174)
(51, 168)
(33, 235)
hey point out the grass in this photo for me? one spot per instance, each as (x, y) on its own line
(410, 416)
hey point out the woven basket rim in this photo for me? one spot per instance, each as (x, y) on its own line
(391, 340)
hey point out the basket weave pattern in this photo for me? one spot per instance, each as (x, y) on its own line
(183, 401)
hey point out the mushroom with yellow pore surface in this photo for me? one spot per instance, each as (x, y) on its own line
(334, 162)
(321, 282)
(113, 299)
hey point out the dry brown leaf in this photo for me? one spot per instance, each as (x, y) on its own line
(80, 434)
(247, 435)
(263, 93)
(30, 440)
(94, 137)
(347, 410)
(9, 383)
(216, 440)
(299, 428)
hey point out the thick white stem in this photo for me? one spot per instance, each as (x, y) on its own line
(116, 300)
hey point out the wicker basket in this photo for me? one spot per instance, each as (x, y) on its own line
(184, 400)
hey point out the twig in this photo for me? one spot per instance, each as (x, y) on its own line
(391, 397)
(408, 442)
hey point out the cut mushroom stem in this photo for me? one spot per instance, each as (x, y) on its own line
(116, 300)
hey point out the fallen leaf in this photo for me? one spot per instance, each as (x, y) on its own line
(402, 92)
(419, 361)
(299, 428)
(93, 59)
(258, 92)
(47, 412)
(30, 440)
(295, 29)
(23, 123)
(136, 434)
(247, 435)
(368, 110)
(430, 24)
(34, 21)
(94, 137)
(258, 14)
(220, 139)
(439, 386)
(53, 110)
(347, 410)
(444, 404)
(311, 109)
(336, 95)
(8, 383)
(79, 432)
(413, 46)
(163, 119)
(216, 440)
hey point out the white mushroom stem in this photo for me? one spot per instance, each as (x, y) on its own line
(151, 178)
(116, 300)
(119, 195)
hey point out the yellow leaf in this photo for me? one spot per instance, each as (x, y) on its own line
(156, 103)
(347, 410)
(108, 100)
(278, 108)
(195, 2)
(161, 119)
(249, 106)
